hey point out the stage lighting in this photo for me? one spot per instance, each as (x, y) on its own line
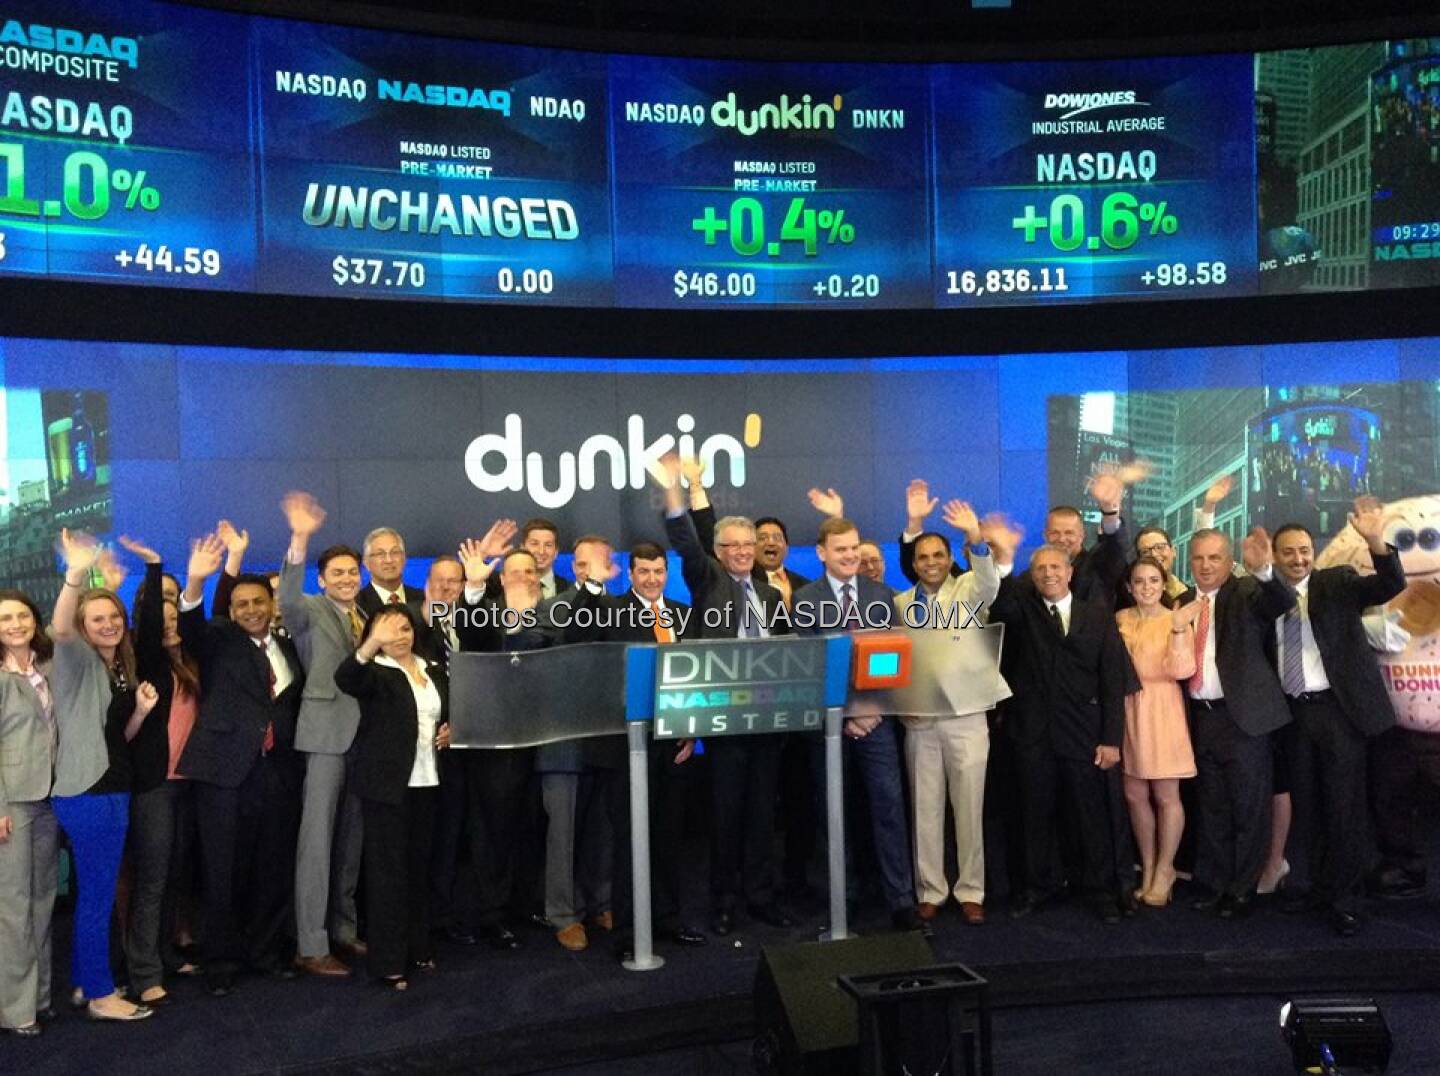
(1335, 1036)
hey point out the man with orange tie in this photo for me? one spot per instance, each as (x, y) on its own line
(384, 553)
(643, 615)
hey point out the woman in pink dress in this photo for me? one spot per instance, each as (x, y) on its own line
(1157, 752)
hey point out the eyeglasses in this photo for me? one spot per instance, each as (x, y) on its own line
(1151, 550)
(742, 546)
(387, 554)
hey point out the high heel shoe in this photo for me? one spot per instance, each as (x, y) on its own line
(1156, 897)
(1264, 889)
(139, 1012)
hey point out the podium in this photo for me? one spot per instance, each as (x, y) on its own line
(720, 687)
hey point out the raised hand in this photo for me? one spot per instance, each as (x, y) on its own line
(235, 542)
(693, 470)
(1108, 491)
(961, 516)
(145, 698)
(1184, 616)
(112, 572)
(1218, 491)
(476, 560)
(80, 551)
(1255, 550)
(205, 556)
(1369, 520)
(303, 513)
(827, 502)
(499, 539)
(1137, 470)
(1003, 536)
(666, 471)
(140, 549)
(918, 503)
(387, 630)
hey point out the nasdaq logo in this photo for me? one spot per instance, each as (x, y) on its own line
(627, 464)
(414, 93)
(738, 686)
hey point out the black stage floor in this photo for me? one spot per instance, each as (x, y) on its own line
(543, 1009)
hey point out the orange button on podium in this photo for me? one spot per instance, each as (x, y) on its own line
(881, 660)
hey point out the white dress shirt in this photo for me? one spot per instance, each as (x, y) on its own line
(1063, 605)
(386, 595)
(1313, 667)
(425, 773)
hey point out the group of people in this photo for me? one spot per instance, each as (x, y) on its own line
(273, 784)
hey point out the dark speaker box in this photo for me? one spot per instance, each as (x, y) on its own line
(805, 1025)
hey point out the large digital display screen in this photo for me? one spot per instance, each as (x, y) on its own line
(152, 143)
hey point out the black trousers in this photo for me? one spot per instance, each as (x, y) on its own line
(398, 842)
(451, 828)
(247, 853)
(744, 771)
(1403, 762)
(797, 804)
(670, 790)
(1235, 775)
(1327, 774)
(1049, 781)
(496, 782)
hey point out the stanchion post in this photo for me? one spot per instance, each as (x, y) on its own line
(639, 711)
(835, 821)
(644, 958)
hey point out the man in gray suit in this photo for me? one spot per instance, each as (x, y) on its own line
(325, 628)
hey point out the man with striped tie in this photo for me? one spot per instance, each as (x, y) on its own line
(1334, 690)
(745, 770)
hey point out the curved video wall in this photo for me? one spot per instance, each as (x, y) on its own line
(169, 146)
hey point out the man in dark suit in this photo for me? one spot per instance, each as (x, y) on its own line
(1070, 673)
(1333, 686)
(1235, 704)
(384, 554)
(1096, 571)
(844, 600)
(643, 615)
(247, 776)
(730, 604)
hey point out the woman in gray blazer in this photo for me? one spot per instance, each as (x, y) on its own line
(28, 855)
(99, 706)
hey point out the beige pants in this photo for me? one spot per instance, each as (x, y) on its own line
(948, 753)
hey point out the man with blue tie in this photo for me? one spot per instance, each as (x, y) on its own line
(1337, 697)
(730, 604)
(845, 600)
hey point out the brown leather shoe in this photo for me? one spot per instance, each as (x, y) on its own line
(927, 911)
(972, 913)
(573, 937)
(354, 951)
(604, 921)
(326, 965)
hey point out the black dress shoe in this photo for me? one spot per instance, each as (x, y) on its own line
(1209, 901)
(1346, 924)
(1028, 901)
(539, 922)
(500, 937)
(1233, 907)
(770, 914)
(460, 936)
(1129, 904)
(1107, 908)
(220, 983)
(722, 924)
(908, 919)
(281, 971)
(46, 1015)
(687, 936)
(29, 1031)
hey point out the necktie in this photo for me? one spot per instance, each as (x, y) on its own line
(268, 744)
(850, 617)
(1057, 618)
(356, 626)
(1202, 633)
(394, 598)
(1292, 673)
(748, 627)
(662, 633)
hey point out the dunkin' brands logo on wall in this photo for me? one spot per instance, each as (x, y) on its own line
(498, 462)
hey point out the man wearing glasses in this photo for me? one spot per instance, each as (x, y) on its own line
(384, 553)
